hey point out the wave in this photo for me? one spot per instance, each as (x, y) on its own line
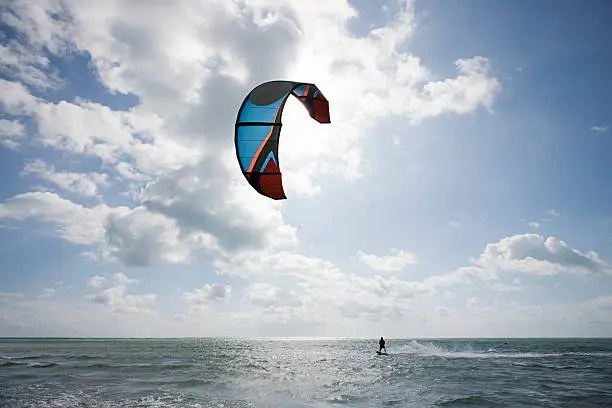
(26, 357)
(475, 400)
(10, 363)
(42, 365)
(589, 354)
(14, 363)
(81, 357)
(434, 350)
(48, 356)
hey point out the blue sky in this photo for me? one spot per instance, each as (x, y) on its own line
(460, 190)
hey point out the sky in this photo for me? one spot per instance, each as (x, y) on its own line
(460, 190)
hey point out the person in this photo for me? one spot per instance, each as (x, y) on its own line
(381, 344)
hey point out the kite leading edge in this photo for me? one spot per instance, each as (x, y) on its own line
(258, 127)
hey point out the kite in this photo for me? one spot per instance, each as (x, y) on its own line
(258, 127)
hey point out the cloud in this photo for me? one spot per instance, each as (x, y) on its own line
(535, 255)
(601, 302)
(15, 99)
(472, 302)
(445, 311)
(323, 290)
(47, 293)
(73, 222)
(474, 87)
(597, 310)
(90, 129)
(386, 264)
(73, 318)
(554, 319)
(204, 297)
(291, 291)
(82, 184)
(552, 213)
(141, 238)
(324, 293)
(270, 296)
(600, 129)
(116, 298)
(32, 68)
(502, 287)
(11, 131)
(173, 149)
(96, 281)
(226, 215)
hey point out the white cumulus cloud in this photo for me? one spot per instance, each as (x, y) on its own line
(115, 295)
(397, 261)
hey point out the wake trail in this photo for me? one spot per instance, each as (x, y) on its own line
(434, 350)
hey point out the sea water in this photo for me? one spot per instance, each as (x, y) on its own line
(207, 372)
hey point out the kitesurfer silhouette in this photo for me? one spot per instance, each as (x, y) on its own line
(381, 344)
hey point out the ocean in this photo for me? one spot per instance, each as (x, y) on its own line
(286, 373)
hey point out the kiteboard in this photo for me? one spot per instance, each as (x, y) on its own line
(380, 353)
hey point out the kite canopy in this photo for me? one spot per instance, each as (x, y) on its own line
(258, 128)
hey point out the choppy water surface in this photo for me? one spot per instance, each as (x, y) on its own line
(305, 373)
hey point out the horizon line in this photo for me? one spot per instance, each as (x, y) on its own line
(303, 338)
